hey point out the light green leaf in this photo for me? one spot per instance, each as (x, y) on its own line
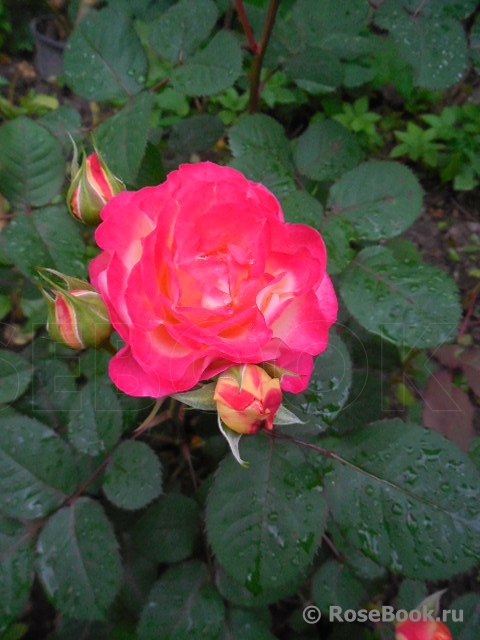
(178, 32)
(183, 603)
(199, 398)
(32, 168)
(407, 302)
(211, 70)
(122, 139)
(407, 499)
(265, 523)
(233, 439)
(37, 469)
(78, 560)
(381, 199)
(5, 305)
(326, 150)
(134, 476)
(285, 416)
(104, 59)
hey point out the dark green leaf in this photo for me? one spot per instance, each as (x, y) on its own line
(211, 70)
(245, 625)
(169, 529)
(104, 59)
(240, 596)
(151, 171)
(16, 570)
(326, 150)
(134, 476)
(435, 8)
(435, 45)
(381, 199)
(406, 302)
(475, 44)
(407, 499)
(47, 237)
(197, 133)
(264, 523)
(78, 560)
(411, 594)
(261, 151)
(468, 608)
(335, 585)
(95, 422)
(318, 22)
(37, 469)
(337, 234)
(180, 31)
(364, 404)
(314, 70)
(183, 603)
(302, 208)
(32, 168)
(53, 390)
(15, 376)
(328, 387)
(63, 123)
(123, 137)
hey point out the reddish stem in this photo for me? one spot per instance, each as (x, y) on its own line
(468, 315)
(258, 58)
(252, 43)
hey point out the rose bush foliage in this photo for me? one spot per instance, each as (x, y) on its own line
(202, 272)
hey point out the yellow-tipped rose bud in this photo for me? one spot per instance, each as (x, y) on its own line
(77, 315)
(93, 185)
(422, 630)
(247, 398)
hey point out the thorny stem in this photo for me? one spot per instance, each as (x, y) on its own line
(258, 49)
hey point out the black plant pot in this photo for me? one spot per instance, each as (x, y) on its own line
(48, 49)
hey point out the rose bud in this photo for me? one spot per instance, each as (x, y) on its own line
(422, 630)
(77, 315)
(247, 398)
(93, 185)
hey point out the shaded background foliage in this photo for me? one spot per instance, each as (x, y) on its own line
(125, 534)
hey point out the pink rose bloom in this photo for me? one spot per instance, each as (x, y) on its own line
(422, 630)
(201, 273)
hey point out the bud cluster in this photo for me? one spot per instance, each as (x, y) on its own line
(77, 315)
